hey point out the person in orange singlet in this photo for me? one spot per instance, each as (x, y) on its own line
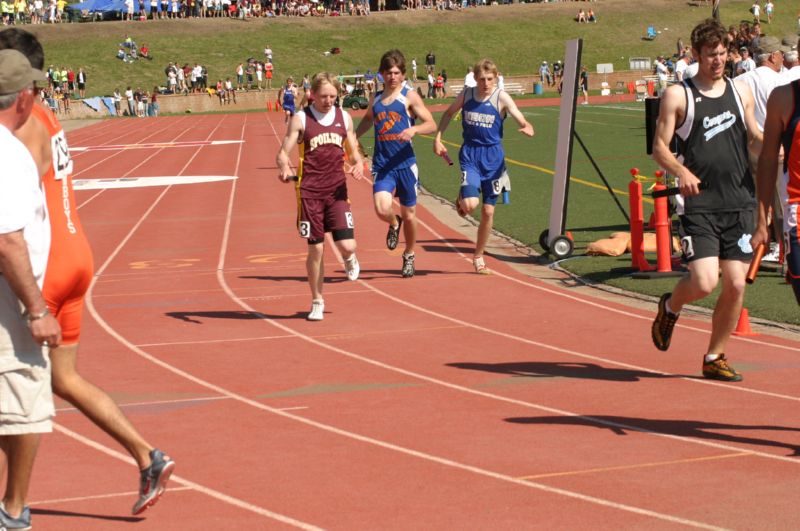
(67, 278)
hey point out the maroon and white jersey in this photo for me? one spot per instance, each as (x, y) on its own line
(322, 152)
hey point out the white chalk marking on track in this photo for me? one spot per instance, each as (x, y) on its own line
(140, 182)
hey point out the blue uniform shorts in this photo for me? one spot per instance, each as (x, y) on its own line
(403, 182)
(482, 168)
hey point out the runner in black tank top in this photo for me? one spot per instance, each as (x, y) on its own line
(713, 118)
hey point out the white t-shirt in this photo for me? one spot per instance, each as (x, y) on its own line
(22, 203)
(662, 71)
(761, 81)
(691, 71)
(791, 74)
(129, 95)
(327, 119)
(469, 80)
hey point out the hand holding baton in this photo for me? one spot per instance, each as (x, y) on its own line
(447, 158)
(675, 191)
(758, 254)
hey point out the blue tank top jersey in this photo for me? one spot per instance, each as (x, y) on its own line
(389, 121)
(481, 121)
(288, 98)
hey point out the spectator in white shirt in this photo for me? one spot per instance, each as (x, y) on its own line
(746, 64)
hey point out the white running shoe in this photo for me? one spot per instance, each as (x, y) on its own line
(352, 267)
(480, 266)
(774, 253)
(317, 310)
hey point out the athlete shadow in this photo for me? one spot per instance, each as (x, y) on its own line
(441, 246)
(394, 273)
(303, 279)
(195, 317)
(694, 429)
(560, 369)
(71, 514)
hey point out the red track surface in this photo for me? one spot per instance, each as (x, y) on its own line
(447, 401)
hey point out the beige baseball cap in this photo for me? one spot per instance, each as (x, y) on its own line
(16, 72)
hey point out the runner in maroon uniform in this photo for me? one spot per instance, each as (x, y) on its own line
(323, 131)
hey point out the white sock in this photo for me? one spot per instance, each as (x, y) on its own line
(711, 357)
(669, 310)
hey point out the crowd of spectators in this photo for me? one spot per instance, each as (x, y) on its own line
(63, 84)
(748, 48)
(33, 11)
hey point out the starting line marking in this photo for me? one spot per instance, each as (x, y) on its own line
(155, 145)
(140, 182)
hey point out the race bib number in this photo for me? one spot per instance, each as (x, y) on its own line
(305, 229)
(62, 163)
(497, 186)
(349, 217)
(463, 178)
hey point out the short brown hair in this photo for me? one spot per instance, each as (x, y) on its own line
(709, 33)
(391, 59)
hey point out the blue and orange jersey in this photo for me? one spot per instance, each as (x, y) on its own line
(389, 120)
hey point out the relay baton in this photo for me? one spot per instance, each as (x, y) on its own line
(293, 178)
(447, 158)
(758, 254)
(675, 191)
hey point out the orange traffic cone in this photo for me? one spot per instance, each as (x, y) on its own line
(569, 235)
(278, 106)
(269, 105)
(743, 326)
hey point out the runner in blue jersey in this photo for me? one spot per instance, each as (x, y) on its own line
(397, 114)
(482, 159)
(287, 96)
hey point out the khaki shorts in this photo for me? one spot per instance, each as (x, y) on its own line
(26, 397)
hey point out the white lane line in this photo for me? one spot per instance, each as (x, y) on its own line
(171, 402)
(131, 493)
(126, 458)
(230, 500)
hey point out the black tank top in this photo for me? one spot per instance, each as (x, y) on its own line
(714, 147)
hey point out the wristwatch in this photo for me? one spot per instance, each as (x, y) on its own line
(36, 316)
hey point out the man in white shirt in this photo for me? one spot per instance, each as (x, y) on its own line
(469, 80)
(762, 81)
(791, 66)
(26, 325)
(746, 64)
(663, 73)
(129, 98)
(766, 76)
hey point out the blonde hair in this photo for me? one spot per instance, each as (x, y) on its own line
(324, 77)
(485, 65)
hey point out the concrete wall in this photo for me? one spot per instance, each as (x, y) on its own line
(257, 100)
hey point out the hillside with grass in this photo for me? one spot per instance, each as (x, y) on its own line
(518, 37)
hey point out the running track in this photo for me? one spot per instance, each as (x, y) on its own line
(447, 401)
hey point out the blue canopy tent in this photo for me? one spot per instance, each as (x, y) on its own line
(107, 6)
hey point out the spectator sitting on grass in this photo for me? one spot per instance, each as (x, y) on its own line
(590, 17)
(581, 16)
(144, 51)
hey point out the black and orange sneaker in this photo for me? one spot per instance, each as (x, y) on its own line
(663, 324)
(720, 370)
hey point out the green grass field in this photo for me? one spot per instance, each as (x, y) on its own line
(517, 37)
(615, 137)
